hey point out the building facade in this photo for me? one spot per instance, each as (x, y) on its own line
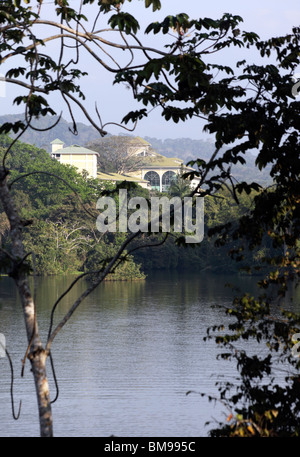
(154, 171)
(157, 169)
(85, 160)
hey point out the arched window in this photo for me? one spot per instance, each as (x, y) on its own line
(167, 179)
(153, 179)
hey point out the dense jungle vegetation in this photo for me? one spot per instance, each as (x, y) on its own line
(64, 237)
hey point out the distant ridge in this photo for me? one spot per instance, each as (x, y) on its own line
(184, 148)
(188, 149)
(61, 130)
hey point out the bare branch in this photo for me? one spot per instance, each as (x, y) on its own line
(54, 378)
(149, 245)
(15, 416)
(11, 145)
(95, 36)
(46, 128)
(74, 99)
(89, 290)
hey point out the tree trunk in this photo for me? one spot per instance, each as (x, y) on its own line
(37, 355)
(38, 364)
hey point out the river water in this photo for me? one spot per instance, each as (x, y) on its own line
(125, 360)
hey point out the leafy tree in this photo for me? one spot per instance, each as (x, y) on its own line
(249, 107)
(114, 155)
(60, 235)
(58, 247)
(180, 186)
(123, 271)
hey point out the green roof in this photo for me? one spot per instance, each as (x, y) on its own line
(161, 161)
(139, 140)
(118, 177)
(57, 141)
(76, 149)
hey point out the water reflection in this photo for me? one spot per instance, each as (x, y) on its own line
(126, 359)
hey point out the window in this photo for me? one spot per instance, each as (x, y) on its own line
(167, 179)
(153, 179)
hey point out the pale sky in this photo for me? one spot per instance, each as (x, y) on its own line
(265, 17)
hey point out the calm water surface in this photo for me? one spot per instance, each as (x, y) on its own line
(125, 360)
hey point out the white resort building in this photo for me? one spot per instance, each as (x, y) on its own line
(154, 171)
(82, 158)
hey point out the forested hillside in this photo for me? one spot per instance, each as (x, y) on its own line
(64, 238)
(60, 218)
(183, 148)
(188, 149)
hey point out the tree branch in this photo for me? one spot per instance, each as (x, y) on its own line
(88, 291)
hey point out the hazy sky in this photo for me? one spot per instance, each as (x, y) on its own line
(265, 17)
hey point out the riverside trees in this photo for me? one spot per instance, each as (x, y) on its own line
(247, 107)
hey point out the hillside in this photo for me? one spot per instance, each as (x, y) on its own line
(188, 149)
(61, 131)
(183, 148)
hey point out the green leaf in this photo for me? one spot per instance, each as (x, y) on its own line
(125, 22)
(156, 5)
